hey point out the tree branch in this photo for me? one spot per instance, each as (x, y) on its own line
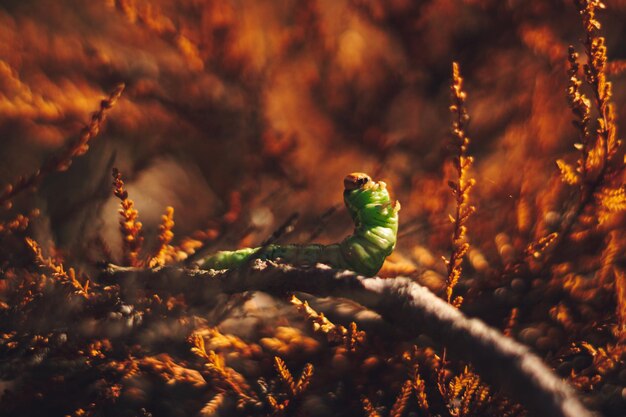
(503, 362)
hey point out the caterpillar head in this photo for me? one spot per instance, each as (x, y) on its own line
(360, 190)
(356, 180)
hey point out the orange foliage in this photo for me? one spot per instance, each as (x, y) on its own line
(261, 107)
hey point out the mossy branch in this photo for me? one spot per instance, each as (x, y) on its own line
(498, 359)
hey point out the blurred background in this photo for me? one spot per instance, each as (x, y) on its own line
(262, 108)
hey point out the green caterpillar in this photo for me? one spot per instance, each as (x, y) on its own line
(374, 238)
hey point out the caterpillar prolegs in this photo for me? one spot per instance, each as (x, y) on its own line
(376, 226)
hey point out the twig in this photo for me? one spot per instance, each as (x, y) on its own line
(322, 222)
(286, 227)
(63, 160)
(499, 359)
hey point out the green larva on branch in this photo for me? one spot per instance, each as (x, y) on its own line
(376, 226)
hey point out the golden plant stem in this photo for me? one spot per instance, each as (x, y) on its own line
(20, 222)
(63, 160)
(58, 270)
(165, 238)
(129, 226)
(620, 295)
(461, 188)
(595, 75)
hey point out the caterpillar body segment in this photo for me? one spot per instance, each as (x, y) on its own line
(228, 259)
(376, 226)
(292, 254)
